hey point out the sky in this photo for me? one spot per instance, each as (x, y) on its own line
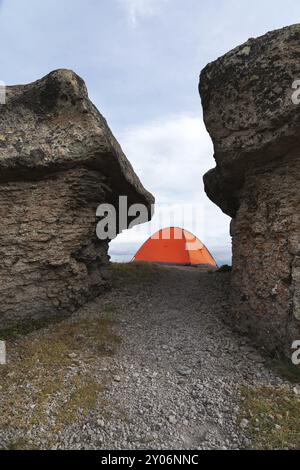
(141, 61)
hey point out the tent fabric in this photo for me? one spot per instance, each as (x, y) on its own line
(177, 246)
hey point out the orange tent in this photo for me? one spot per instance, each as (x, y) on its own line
(175, 246)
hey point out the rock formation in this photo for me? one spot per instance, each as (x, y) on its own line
(58, 162)
(249, 99)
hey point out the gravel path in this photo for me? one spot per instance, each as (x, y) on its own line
(172, 379)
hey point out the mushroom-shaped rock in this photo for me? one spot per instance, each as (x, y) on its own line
(251, 108)
(58, 162)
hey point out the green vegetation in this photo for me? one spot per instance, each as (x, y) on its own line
(135, 272)
(47, 382)
(81, 401)
(30, 325)
(274, 418)
(284, 367)
(19, 444)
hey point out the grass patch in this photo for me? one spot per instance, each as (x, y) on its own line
(47, 382)
(83, 398)
(135, 272)
(274, 418)
(25, 327)
(19, 444)
(284, 367)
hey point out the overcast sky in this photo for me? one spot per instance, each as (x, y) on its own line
(141, 61)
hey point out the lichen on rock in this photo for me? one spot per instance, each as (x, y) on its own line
(255, 127)
(58, 162)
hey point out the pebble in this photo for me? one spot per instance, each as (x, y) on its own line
(172, 419)
(244, 423)
(184, 371)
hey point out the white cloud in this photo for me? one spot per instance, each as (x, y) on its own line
(170, 156)
(139, 9)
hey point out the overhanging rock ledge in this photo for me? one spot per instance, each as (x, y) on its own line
(58, 162)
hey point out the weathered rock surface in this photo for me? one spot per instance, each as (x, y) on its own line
(58, 162)
(255, 127)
